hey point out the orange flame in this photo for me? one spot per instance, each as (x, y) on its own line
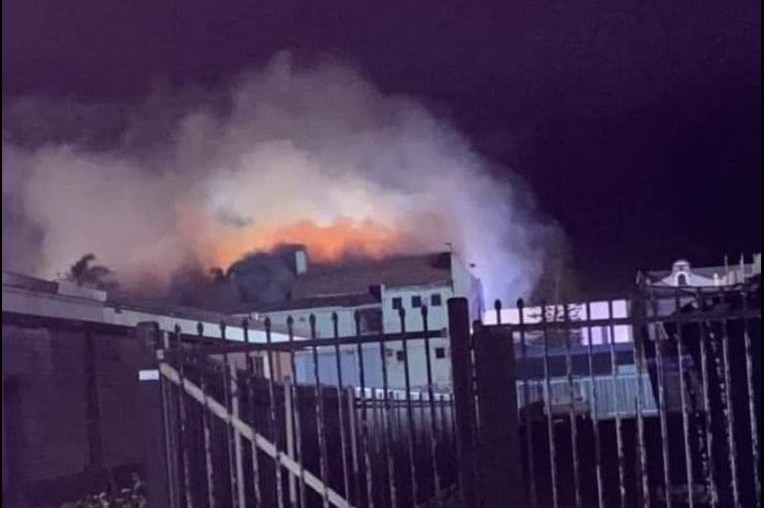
(324, 243)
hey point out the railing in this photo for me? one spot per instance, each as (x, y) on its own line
(680, 429)
(240, 432)
(669, 418)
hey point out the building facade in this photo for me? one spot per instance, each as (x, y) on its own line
(683, 274)
(386, 296)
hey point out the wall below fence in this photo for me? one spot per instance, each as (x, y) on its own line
(76, 418)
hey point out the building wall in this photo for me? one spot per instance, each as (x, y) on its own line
(578, 312)
(461, 284)
(74, 410)
(324, 323)
(437, 319)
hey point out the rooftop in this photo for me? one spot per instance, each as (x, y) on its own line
(356, 277)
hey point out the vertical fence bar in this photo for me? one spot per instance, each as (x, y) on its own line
(300, 452)
(289, 433)
(340, 408)
(618, 422)
(183, 422)
(708, 461)
(409, 410)
(320, 418)
(353, 425)
(252, 415)
(463, 401)
(572, 409)
(685, 409)
(751, 401)
(594, 410)
(231, 434)
(528, 423)
(209, 467)
(171, 452)
(364, 417)
(639, 311)
(729, 411)
(431, 400)
(387, 425)
(662, 409)
(274, 427)
(548, 407)
(448, 444)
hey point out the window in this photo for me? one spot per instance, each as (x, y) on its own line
(440, 352)
(397, 303)
(436, 300)
(681, 279)
(370, 320)
(399, 356)
(416, 301)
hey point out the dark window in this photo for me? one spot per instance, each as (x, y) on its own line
(435, 300)
(370, 320)
(389, 353)
(416, 301)
(440, 352)
(681, 279)
(397, 303)
(399, 356)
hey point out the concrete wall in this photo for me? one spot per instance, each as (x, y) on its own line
(74, 410)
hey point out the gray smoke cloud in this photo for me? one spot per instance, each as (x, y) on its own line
(202, 178)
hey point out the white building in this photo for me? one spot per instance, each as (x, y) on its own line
(683, 274)
(377, 290)
(593, 311)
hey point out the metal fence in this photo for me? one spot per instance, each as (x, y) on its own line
(680, 429)
(241, 432)
(538, 414)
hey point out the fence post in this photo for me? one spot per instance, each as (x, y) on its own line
(500, 456)
(290, 437)
(157, 444)
(464, 398)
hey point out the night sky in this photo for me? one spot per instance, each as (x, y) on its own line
(636, 123)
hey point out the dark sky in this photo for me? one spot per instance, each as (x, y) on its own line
(637, 123)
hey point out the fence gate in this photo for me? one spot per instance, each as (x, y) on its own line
(311, 422)
(549, 416)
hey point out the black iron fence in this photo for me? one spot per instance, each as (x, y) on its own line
(678, 425)
(540, 412)
(306, 422)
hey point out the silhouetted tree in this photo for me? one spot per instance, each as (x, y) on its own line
(85, 273)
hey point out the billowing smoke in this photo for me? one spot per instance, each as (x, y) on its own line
(313, 155)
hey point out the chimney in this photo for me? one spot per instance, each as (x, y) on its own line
(376, 291)
(300, 261)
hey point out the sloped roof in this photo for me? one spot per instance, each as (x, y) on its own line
(358, 276)
(350, 300)
(702, 271)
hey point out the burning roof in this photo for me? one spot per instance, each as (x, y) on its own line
(356, 277)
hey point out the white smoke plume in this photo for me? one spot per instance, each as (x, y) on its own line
(312, 154)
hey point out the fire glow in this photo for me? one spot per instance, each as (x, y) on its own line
(315, 156)
(327, 243)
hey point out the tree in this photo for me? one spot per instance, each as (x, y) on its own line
(85, 273)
